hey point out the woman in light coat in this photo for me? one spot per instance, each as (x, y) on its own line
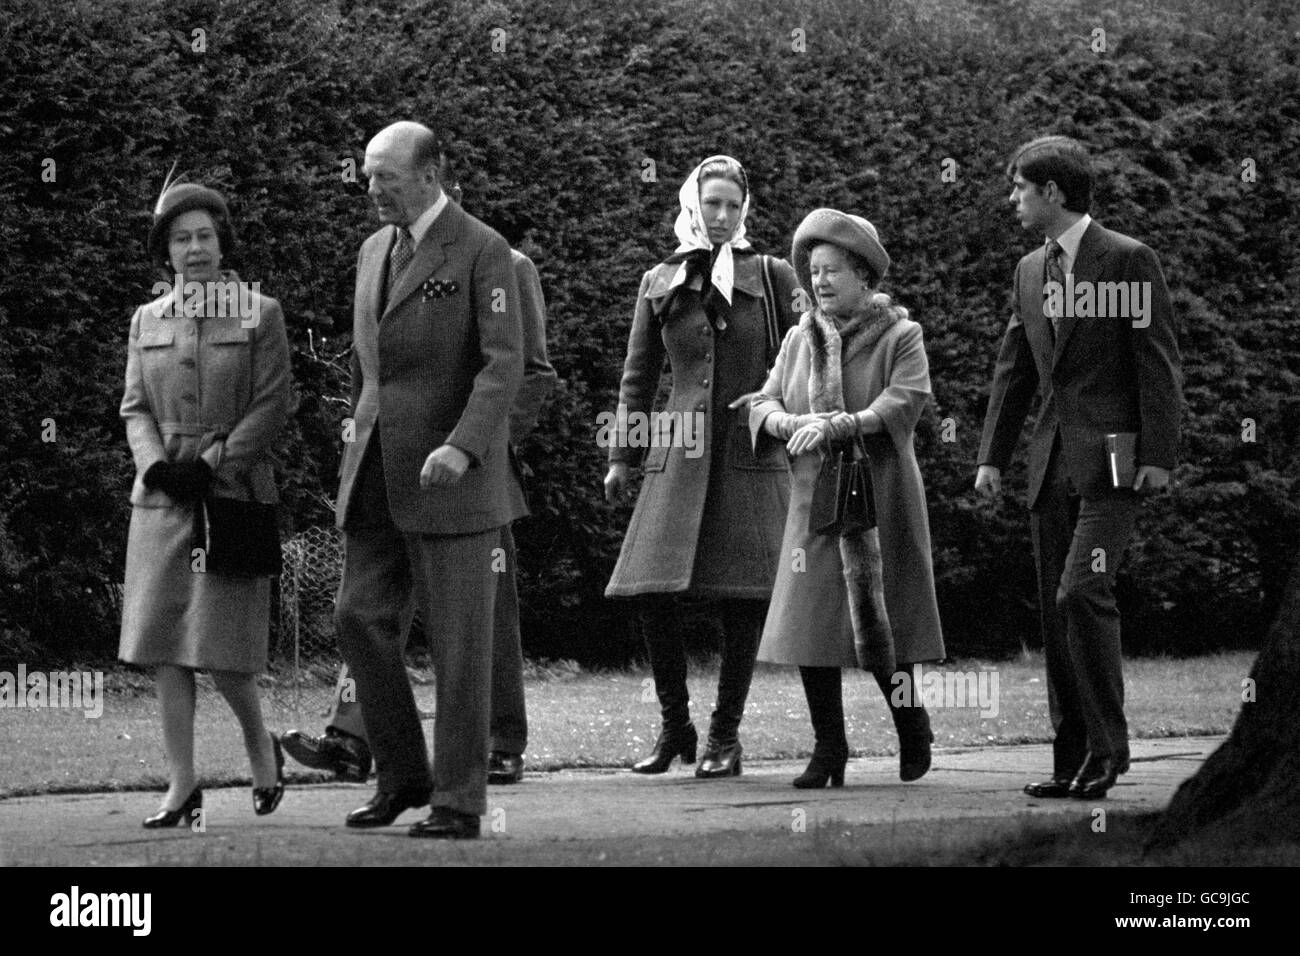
(708, 519)
(854, 364)
(207, 395)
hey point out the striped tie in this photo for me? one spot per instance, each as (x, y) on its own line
(401, 256)
(1055, 273)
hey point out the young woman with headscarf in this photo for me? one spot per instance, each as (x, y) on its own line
(707, 523)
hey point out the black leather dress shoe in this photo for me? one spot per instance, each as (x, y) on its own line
(1097, 775)
(1052, 789)
(343, 755)
(504, 767)
(384, 808)
(444, 823)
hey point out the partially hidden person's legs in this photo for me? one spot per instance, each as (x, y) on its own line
(825, 695)
(742, 626)
(660, 620)
(176, 700)
(509, 723)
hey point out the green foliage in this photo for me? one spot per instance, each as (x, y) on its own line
(553, 132)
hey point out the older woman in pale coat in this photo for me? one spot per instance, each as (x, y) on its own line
(854, 364)
(207, 394)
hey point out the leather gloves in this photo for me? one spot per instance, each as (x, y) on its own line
(182, 480)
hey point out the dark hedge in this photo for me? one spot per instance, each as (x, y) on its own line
(554, 131)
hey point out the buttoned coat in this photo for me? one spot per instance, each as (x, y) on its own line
(189, 382)
(441, 364)
(707, 519)
(808, 620)
(1096, 375)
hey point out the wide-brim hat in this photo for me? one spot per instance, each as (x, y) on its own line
(183, 198)
(841, 229)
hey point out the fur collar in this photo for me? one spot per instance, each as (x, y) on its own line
(831, 348)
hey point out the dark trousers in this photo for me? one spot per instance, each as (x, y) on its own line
(742, 626)
(509, 720)
(385, 571)
(1078, 543)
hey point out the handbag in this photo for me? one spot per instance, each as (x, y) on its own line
(842, 499)
(238, 538)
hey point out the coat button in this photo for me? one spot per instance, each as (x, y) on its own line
(708, 356)
(704, 382)
(705, 330)
(701, 406)
(187, 363)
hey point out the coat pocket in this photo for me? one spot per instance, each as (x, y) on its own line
(740, 450)
(661, 440)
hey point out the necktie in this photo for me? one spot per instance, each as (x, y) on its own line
(401, 256)
(1056, 273)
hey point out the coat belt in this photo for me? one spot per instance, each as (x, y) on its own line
(192, 429)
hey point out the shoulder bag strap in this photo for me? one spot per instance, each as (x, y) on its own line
(769, 312)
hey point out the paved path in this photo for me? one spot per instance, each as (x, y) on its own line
(555, 816)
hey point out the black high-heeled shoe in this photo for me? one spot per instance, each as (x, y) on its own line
(266, 799)
(190, 811)
(720, 760)
(677, 742)
(824, 767)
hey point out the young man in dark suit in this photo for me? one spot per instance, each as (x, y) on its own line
(1091, 333)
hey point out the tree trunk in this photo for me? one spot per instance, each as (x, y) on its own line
(1248, 790)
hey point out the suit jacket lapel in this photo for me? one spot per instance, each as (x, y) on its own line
(1084, 269)
(430, 254)
(1039, 330)
(370, 295)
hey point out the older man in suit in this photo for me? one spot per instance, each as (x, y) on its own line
(1096, 374)
(426, 486)
(343, 748)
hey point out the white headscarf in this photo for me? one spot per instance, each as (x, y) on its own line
(693, 234)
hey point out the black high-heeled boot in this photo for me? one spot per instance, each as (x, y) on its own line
(190, 811)
(680, 741)
(911, 722)
(661, 629)
(824, 767)
(721, 759)
(821, 685)
(742, 626)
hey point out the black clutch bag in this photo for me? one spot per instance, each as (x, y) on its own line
(842, 501)
(239, 538)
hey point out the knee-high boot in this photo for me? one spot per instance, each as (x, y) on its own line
(661, 628)
(742, 626)
(910, 721)
(822, 687)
